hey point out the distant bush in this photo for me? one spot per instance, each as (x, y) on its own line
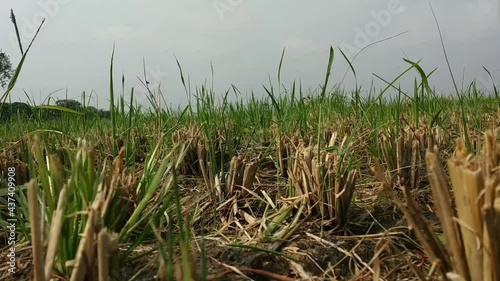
(10, 111)
(105, 114)
(71, 104)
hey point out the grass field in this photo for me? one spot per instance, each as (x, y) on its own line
(297, 185)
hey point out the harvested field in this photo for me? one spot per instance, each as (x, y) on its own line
(290, 207)
(335, 186)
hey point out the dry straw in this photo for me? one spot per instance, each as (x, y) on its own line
(470, 222)
(325, 180)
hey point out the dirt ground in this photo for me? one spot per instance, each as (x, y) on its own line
(377, 236)
(376, 242)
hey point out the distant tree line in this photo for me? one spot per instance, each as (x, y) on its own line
(8, 111)
(5, 69)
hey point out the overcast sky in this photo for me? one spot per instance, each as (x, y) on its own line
(243, 40)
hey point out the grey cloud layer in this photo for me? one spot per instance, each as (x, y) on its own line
(244, 39)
